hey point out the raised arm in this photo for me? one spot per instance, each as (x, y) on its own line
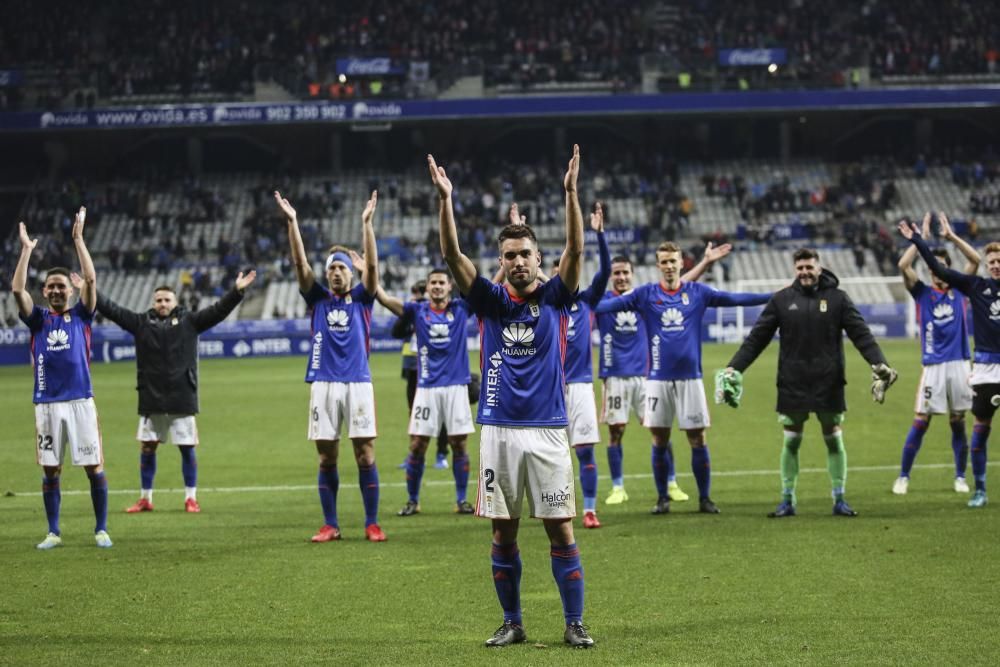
(88, 292)
(123, 317)
(720, 298)
(905, 265)
(972, 258)
(393, 304)
(206, 318)
(461, 266)
(957, 279)
(19, 283)
(569, 263)
(712, 255)
(303, 269)
(370, 276)
(599, 283)
(614, 304)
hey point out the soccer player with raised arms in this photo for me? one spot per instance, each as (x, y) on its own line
(65, 414)
(522, 406)
(623, 365)
(442, 397)
(984, 297)
(166, 366)
(578, 366)
(944, 341)
(337, 372)
(672, 311)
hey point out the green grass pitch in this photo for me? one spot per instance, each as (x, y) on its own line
(913, 580)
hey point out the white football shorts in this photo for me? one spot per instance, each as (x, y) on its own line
(622, 395)
(166, 427)
(985, 374)
(437, 406)
(333, 403)
(943, 385)
(72, 423)
(515, 461)
(683, 399)
(582, 412)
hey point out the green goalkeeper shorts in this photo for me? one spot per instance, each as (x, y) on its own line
(826, 419)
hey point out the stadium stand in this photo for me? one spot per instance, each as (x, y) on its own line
(198, 233)
(74, 56)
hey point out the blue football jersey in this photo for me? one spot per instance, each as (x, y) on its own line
(341, 327)
(60, 353)
(521, 354)
(579, 365)
(623, 351)
(442, 351)
(984, 298)
(944, 334)
(673, 322)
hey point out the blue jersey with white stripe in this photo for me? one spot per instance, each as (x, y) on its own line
(944, 334)
(341, 327)
(442, 351)
(673, 321)
(60, 353)
(984, 298)
(623, 342)
(579, 364)
(521, 353)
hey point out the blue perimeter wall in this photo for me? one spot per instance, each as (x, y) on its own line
(268, 338)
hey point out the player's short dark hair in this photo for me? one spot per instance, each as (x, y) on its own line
(439, 270)
(338, 248)
(57, 271)
(621, 259)
(164, 288)
(418, 287)
(516, 232)
(805, 253)
(668, 246)
(943, 255)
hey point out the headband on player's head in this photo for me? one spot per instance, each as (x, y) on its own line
(338, 257)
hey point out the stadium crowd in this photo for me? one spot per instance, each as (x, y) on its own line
(183, 47)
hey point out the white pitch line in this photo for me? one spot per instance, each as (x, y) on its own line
(395, 485)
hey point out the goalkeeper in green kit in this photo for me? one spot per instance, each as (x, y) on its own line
(811, 315)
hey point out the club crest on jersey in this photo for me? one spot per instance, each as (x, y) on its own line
(626, 321)
(57, 340)
(534, 309)
(348, 300)
(67, 317)
(337, 320)
(575, 307)
(450, 316)
(672, 320)
(822, 305)
(173, 322)
(684, 298)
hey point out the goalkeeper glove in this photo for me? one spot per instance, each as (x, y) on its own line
(882, 378)
(728, 387)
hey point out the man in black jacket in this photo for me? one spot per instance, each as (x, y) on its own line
(812, 314)
(166, 364)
